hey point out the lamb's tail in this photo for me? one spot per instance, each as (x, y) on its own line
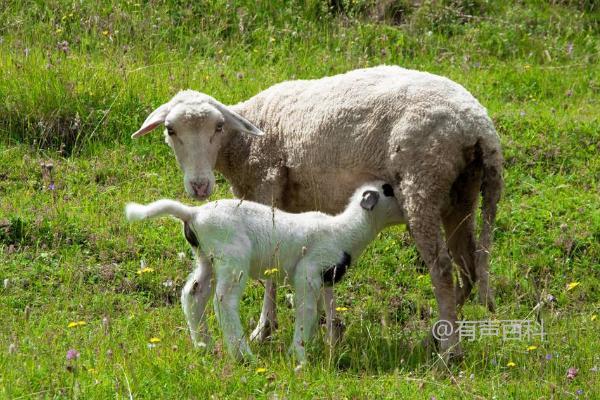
(491, 190)
(136, 212)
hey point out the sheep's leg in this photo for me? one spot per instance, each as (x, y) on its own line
(461, 242)
(194, 297)
(307, 283)
(268, 315)
(335, 327)
(230, 284)
(424, 219)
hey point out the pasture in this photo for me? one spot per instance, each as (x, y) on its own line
(89, 304)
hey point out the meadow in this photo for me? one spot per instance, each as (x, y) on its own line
(89, 304)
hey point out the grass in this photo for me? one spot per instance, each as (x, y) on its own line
(67, 255)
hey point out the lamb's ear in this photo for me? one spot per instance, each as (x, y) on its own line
(369, 200)
(156, 118)
(237, 122)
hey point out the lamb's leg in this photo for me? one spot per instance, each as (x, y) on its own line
(194, 297)
(335, 327)
(230, 284)
(268, 315)
(307, 283)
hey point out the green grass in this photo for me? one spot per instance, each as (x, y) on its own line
(68, 255)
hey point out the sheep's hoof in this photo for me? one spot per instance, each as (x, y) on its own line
(336, 332)
(450, 353)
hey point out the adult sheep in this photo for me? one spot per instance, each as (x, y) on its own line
(323, 138)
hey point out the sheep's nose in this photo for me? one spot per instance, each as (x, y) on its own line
(200, 189)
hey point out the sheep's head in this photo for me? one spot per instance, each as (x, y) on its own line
(381, 203)
(194, 128)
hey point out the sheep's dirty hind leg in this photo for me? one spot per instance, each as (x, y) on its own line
(426, 231)
(194, 296)
(307, 284)
(460, 236)
(268, 315)
(229, 287)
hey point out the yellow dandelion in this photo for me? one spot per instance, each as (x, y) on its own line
(341, 309)
(594, 317)
(154, 340)
(531, 348)
(105, 33)
(145, 270)
(511, 364)
(572, 285)
(76, 324)
(261, 370)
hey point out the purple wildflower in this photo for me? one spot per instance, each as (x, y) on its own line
(569, 48)
(548, 356)
(579, 392)
(72, 354)
(51, 186)
(572, 373)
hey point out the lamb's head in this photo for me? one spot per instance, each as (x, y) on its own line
(380, 204)
(195, 125)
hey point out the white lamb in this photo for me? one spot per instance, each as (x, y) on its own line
(235, 239)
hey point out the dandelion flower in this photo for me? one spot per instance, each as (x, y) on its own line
(572, 285)
(341, 309)
(154, 340)
(105, 33)
(261, 370)
(594, 317)
(145, 270)
(75, 324)
(531, 348)
(511, 364)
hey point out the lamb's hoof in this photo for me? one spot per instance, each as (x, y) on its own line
(202, 346)
(263, 331)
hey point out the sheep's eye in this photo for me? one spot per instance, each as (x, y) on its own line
(170, 131)
(219, 127)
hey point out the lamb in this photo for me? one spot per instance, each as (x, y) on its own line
(233, 240)
(320, 139)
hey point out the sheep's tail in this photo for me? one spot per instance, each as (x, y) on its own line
(136, 212)
(491, 190)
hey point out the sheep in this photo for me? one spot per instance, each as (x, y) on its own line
(234, 240)
(320, 139)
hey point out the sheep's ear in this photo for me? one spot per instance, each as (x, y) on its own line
(156, 118)
(237, 122)
(369, 200)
